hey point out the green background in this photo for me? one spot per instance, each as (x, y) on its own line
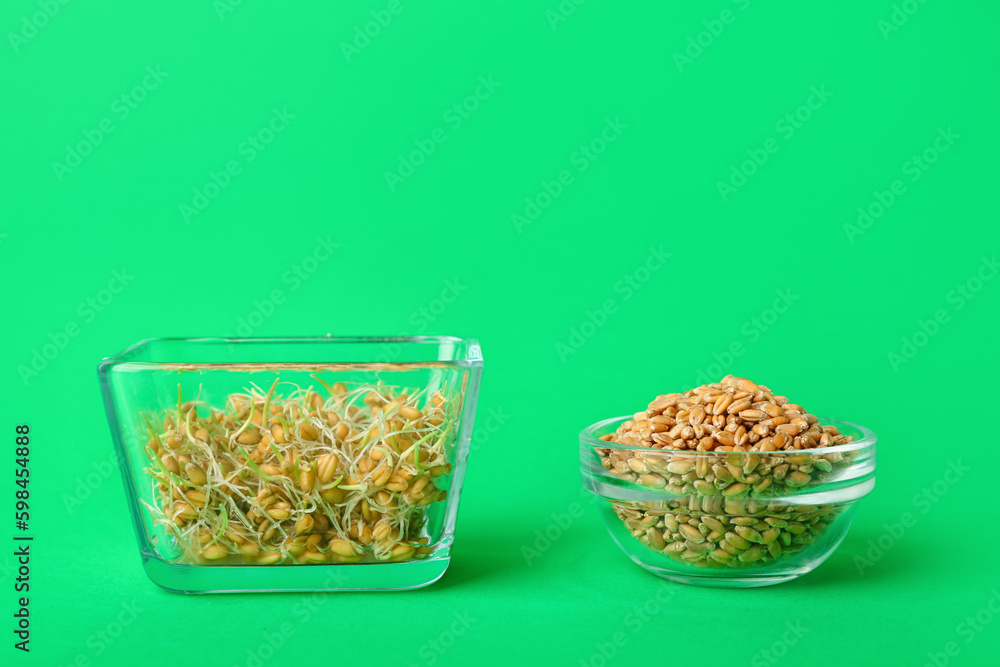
(523, 290)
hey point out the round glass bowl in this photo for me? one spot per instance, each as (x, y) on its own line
(728, 519)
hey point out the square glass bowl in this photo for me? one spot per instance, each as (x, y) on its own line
(281, 464)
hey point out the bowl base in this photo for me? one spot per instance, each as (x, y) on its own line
(198, 579)
(727, 582)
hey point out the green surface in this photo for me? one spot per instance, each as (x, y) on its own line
(638, 236)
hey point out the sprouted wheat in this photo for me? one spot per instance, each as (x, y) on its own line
(299, 478)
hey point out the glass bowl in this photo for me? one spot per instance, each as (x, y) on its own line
(728, 519)
(352, 483)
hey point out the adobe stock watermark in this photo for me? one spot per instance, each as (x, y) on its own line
(714, 27)
(431, 651)
(223, 7)
(31, 24)
(454, 117)
(914, 168)
(248, 150)
(786, 127)
(422, 318)
(581, 158)
(365, 33)
(102, 639)
(562, 12)
(923, 501)
(625, 288)
(544, 538)
(488, 427)
(899, 16)
(274, 639)
(633, 622)
(779, 648)
(87, 311)
(293, 278)
(559, 524)
(967, 630)
(390, 351)
(958, 297)
(88, 483)
(121, 108)
(751, 331)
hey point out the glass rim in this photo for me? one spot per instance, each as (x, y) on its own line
(868, 439)
(473, 357)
